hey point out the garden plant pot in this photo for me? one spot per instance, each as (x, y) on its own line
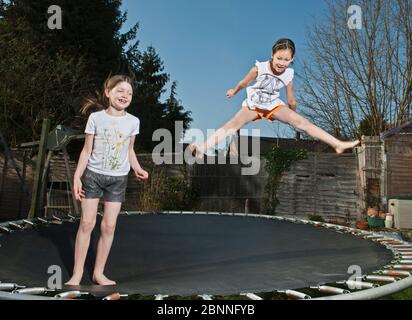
(363, 225)
(375, 222)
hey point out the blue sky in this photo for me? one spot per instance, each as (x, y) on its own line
(208, 46)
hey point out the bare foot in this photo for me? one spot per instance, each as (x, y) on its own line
(75, 280)
(103, 281)
(197, 151)
(346, 145)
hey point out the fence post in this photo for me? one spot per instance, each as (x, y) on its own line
(371, 171)
(39, 169)
(6, 159)
(70, 181)
(383, 177)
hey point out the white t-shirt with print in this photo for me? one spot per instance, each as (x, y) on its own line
(110, 155)
(264, 93)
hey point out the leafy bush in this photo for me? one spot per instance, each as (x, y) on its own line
(163, 192)
(278, 161)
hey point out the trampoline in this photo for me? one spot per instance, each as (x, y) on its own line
(186, 254)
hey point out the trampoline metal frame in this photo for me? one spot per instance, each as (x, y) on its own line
(399, 249)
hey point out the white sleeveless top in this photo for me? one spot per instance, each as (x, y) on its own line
(265, 92)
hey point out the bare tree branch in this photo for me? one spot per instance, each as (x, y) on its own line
(359, 75)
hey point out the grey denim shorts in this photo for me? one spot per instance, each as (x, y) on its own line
(111, 188)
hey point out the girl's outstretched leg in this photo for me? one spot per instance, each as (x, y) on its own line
(243, 117)
(87, 223)
(289, 116)
(107, 228)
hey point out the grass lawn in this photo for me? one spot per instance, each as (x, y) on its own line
(403, 295)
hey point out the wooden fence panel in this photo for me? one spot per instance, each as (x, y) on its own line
(399, 174)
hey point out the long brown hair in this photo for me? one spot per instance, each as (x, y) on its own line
(100, 101)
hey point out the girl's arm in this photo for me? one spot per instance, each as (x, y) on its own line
(290, 95)
(84, 156)
(134, 163)
(81, 166)
(252, 74)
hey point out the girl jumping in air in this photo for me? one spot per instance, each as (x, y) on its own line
(263, 101)
(102, 172)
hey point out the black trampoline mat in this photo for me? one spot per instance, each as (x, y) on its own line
(194, 254)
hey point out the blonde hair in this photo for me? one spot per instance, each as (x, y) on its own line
(100, 101)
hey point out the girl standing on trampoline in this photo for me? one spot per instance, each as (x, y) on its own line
(263, 101)
(102, 171)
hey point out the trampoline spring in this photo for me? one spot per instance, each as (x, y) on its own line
(57, 218)
(296, 294)
(316, 223)
(28, 222)
(391, 241)
(405, 262)
(363, 232)
(360, 234)
(395, 273)
(406, 251)
(251, 296)
(238, 214)
(357, 234)
(10, 286)
(71, 217)
(403, 253)
(388, 245)
(401, 267)
(331, 290)
(42, 220)
(160, 296)
(99, 213)
(379, 278)
(339, 231)
(405, 257)
(265, 216)
(400, 251)
(5, 229)
(15, 225)
(402, 246)
(205, 297)
(375, 237)
(70, 295)
(115, 296)
(397, 245)
(358, 285)
(32, 291)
